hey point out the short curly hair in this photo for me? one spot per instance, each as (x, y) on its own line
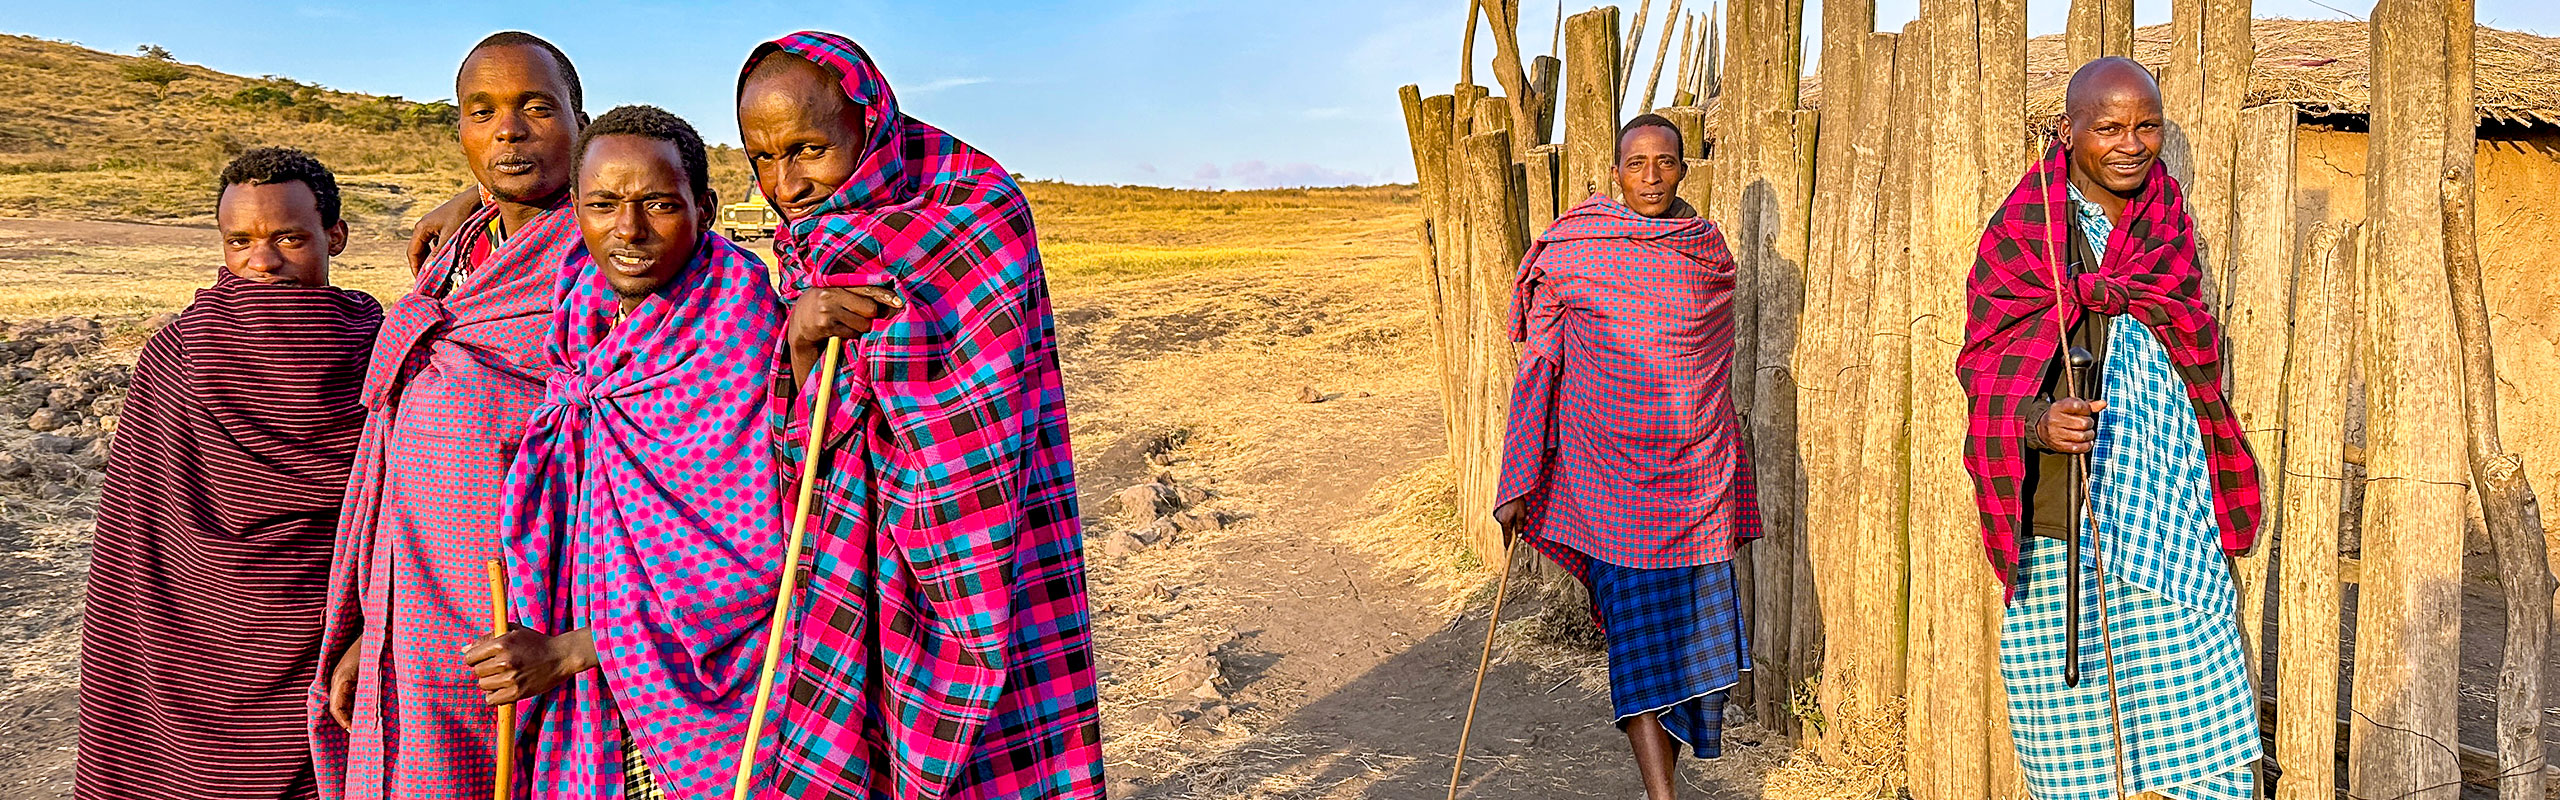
(267, 165)
(568, 72)
(655, 123)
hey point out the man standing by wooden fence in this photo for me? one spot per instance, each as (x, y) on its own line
(2159, 699)
(1623, 461)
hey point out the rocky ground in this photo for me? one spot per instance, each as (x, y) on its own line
(62, 385)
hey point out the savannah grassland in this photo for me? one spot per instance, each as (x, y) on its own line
(1266, 350)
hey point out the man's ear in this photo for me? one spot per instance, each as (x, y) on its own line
(337, 234)
(709, 207)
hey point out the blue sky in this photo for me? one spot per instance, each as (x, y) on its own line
(1206, 94)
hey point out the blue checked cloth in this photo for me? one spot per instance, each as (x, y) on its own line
(1676, 644)
(2190, 718)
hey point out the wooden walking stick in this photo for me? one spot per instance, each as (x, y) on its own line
(2075, 360)
(1501, 586)
(790, 567)
(506, 713)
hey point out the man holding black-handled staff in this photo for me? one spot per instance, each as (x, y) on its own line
(2098, 425)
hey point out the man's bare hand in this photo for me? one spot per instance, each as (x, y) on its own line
(1507, 515)
(828, 312)
(523, 662)
(2070, 425)
(342, 682)
(440, 224)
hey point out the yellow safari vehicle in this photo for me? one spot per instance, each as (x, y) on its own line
(748, 221)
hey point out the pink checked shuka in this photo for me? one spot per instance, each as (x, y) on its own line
(1622, 443)
(644, 508)
(2013, 331)
(452, 377)
(943, 649)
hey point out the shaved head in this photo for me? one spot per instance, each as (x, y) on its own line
(2112, 126)
(2108, 79)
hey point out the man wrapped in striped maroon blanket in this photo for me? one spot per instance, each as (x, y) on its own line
(220, 506)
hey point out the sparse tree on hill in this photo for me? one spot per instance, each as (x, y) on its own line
(155, 67)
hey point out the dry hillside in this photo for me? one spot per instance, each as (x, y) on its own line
(92, 135)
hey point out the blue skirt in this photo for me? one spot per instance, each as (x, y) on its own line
(1676, 644)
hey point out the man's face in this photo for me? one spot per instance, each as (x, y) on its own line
(638, 213)
(271, 233)
(517, 127)
(801, 133)
(2115, 140)
(1649, 170)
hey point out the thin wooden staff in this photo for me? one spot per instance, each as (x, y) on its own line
(2075, 360)
(506, 713)
(790, 566)
(1501, 586)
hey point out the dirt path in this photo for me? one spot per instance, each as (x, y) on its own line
(1299, 625)
(1341, 653)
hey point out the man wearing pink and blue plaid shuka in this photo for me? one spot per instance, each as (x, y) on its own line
(1623, 461)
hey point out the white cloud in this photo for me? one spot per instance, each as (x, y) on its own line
(939, 84)
(1255, 174)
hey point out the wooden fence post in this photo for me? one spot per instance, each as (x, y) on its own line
(2257, 323)
(1883, 461)
(1590, 102)
(1543, 73)
(1494, 234)
(2000, 52)
(1693, 132)
(1434, 116)
(2409, 599)
(2508, 507)
(2098, 28)
(2315, 414)
(1543, 171)
(1944, 522)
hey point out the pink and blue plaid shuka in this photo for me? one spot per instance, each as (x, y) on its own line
(943, 648)
(452, 377)
(645, 508)
(1623, 444)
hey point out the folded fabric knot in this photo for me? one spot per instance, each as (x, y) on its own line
(2102, 293)
(568, 389)
(403, 326)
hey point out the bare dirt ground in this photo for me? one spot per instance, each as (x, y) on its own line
(1293, 621)
(1280, 606)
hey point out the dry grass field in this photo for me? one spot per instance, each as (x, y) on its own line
(1304, 628)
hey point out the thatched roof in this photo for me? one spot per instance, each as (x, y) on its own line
(2320, 66)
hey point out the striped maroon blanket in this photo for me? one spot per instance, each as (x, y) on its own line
(212, 551)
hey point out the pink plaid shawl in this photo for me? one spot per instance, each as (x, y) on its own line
(944, 648)
(2014, 319)
(643, 507)
(451, 381)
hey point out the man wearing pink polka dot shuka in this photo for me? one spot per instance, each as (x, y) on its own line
(640, 519)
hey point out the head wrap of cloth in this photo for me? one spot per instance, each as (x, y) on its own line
(950, 460)
(2014, 320)
(644, 508)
